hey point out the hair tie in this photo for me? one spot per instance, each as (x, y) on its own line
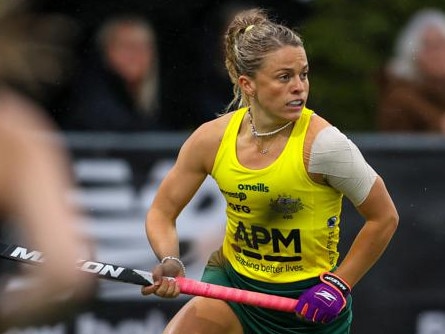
(249, 28)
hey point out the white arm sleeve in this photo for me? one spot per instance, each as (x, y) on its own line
(341, 163)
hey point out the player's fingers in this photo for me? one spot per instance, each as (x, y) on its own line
(157, 281)
(148, 290)
(168, 288)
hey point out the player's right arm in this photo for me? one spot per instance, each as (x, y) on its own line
(193, 164)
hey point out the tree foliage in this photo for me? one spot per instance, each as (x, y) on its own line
(348, 43)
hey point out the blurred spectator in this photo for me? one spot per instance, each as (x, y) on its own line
(412, 86)
(118, 90)
(34, 177)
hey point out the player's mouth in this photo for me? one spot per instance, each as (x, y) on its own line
(298, 104)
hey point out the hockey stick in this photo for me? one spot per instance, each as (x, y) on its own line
(187, 286)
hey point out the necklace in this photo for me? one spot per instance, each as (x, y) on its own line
(263, 150)
(257, 134)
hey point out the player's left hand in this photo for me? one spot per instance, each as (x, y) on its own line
(323, 302)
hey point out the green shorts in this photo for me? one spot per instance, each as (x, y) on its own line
(257, 320)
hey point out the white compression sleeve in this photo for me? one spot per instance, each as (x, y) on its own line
(341, 163)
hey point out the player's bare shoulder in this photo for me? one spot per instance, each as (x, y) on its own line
(203, 143)
(316, 124)
(208, 136)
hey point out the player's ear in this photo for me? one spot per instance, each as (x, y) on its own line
(247, 85)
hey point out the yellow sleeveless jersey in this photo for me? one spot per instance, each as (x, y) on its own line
(282, 226)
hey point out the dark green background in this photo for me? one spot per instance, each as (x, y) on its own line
(348, 42)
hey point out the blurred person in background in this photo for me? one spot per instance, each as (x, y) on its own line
(412, 85)
(118, 90)
(34, 172)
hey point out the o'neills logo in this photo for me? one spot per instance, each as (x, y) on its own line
(260, 187)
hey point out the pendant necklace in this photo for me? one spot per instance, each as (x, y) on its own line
(258, 135)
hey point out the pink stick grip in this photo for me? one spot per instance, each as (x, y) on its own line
(196, 288)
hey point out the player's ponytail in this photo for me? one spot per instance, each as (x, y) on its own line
(237, 36)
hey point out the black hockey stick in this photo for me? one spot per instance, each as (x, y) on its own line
(187, 286)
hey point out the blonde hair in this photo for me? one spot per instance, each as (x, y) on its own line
(248, 39)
